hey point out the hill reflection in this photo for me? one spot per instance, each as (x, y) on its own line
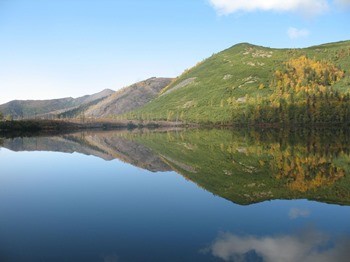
(244, 166)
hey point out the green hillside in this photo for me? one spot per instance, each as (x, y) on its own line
(254, 84)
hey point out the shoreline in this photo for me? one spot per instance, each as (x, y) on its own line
(41, 125)
(38, 125)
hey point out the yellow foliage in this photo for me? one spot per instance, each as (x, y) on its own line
(306, 173)
(222, 103)
(261, 86)
(304, 74)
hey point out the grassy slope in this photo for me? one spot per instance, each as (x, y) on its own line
(245, 67)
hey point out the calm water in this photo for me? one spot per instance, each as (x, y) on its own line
(210, 195)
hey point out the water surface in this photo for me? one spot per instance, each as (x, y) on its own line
(193, 195)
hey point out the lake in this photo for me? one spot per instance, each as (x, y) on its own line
(176, 195)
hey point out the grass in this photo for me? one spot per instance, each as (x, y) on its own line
(234, 73)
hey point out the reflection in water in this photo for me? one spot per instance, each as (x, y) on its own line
(249, 166)
(305, 171)
(105, 145)
(111, 258)
(243, 166)
(295, 213)
(60, 207)
(308, 245)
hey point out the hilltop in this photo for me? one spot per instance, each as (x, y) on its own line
(249, 84)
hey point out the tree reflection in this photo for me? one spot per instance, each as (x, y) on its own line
(244, 166)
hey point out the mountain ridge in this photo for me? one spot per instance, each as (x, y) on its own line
(105, 103)
(33, 108)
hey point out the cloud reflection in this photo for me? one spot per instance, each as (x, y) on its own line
(111, 258)
(309, 246)
(295, 213)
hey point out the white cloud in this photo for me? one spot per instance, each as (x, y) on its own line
(308, 246)
(295, 213)
(294, 33)
(305, 7)
(342, 2)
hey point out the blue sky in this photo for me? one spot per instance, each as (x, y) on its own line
(60, 48)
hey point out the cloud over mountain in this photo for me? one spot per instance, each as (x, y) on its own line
(305, 7)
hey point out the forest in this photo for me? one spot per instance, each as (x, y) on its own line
(302, 95)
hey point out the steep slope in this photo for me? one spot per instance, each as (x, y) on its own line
(241, 81)
(129, 98)
(32, 108)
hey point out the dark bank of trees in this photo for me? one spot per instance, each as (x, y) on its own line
(313, 109)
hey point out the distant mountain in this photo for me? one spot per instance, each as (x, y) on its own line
(103, 104)
(128, 98)
(31, 108)
(249, 84)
